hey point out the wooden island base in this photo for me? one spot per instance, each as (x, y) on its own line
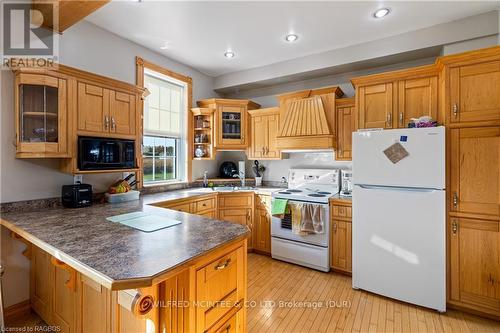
(205, 295)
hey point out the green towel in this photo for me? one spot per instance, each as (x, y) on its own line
(279, 206)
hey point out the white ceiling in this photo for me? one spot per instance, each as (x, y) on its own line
(198, 33)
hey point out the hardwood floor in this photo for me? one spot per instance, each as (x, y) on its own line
(352, 310)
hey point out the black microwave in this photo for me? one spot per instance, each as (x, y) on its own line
(105, 154)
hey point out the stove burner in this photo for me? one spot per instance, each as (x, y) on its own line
(294, 191)
(285, 192)
(322, 192)
(316, 195)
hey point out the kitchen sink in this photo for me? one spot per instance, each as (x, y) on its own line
(232, 188)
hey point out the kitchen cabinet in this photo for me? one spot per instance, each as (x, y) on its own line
(122, 111)
(341, 236)
(264, 127)
(376, 105)
(203, 133)
(103, 111)
(475, 264)
(262, 224)
(238, 208)
(391, 99)
(474, 92)
(475, 171)
(346, 124)
(42, 113)
(64, 297)
(230, 121)
(417, 97)
(93, 108)
(41, 283)
(221, 286)
(205, 205)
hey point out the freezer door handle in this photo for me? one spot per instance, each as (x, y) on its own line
(394, 188)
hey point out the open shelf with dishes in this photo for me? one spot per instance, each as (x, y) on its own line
(203, 135)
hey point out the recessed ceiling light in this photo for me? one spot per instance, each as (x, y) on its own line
(381, 12)
(229, 54)
(291, 38)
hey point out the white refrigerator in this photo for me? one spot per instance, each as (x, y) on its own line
(398, 221)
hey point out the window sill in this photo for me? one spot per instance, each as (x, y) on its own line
(166, 183)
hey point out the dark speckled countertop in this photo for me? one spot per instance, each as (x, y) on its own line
(113, 254)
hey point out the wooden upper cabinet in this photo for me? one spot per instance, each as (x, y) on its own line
(346, 124)
(42, 111)
(475, 263)
(417, 97)
(474, 92)
(122, 113)
(376, 105)
(391, 99)
(105, 111)
(93, 108)
(231, 122)
(475, 171)
(264, 127)
(258, 129)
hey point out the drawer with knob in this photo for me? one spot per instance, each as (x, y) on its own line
(220, 288)
(203, 205)
(341, 211)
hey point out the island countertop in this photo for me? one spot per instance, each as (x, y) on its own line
(116, 255)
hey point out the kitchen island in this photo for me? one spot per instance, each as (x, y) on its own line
(92, 275)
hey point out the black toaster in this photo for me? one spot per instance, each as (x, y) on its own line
(77, 195)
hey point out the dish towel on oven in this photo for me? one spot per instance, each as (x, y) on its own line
(296, 212)
(311, 219)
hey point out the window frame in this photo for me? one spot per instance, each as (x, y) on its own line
(184, 161)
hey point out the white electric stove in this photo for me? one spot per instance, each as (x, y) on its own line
(314, 186)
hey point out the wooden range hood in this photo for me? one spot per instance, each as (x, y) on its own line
(308, 119)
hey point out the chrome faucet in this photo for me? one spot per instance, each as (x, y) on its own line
(241, 176)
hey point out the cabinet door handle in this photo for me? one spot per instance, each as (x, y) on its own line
(267, 150)
(454, 227)
(454, 109)
(389, 119)
(263, 151)
(335, 227)
(113, 123)
(455, 199)
(223, 265)
(106, 122)
(401, 118)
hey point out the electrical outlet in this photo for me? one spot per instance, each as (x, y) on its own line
(77, 179)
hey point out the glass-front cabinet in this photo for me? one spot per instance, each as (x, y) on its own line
(41, 116)
(230, 122)
(233, 124)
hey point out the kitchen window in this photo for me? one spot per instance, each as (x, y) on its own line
(164, 140)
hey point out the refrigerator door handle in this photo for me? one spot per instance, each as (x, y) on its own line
(394, 188)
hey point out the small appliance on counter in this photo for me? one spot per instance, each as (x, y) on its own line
(77, 195)
(346, 176)
(228, 170)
